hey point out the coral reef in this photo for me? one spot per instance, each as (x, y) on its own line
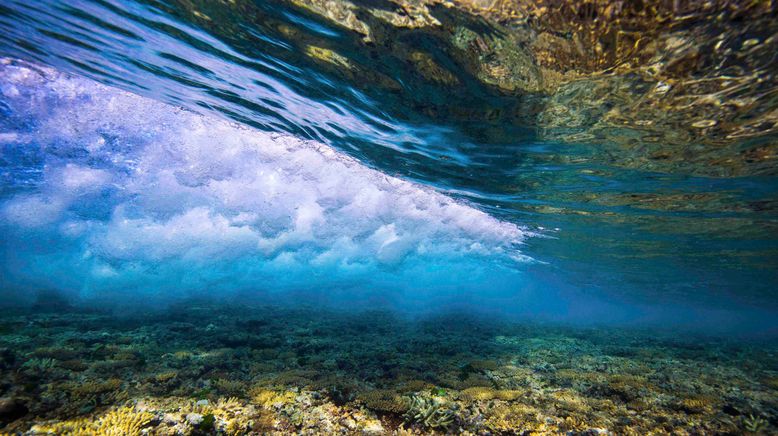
(434, 412)
(122, 421)
(272, 370)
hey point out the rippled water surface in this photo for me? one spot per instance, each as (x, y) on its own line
(639, 212)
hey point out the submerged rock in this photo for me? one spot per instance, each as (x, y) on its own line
(7, 358)
(12, 409)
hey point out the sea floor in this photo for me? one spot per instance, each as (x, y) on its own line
(201, 368)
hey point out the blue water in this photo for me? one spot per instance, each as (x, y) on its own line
(151, 155)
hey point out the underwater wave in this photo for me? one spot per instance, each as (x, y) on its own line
(654, 203)
(116, 193)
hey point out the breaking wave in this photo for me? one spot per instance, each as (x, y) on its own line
(108, 193)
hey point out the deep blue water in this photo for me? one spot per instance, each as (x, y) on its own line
(238, 164)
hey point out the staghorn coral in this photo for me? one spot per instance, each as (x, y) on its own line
(183, 355)
(79, 426)
(509, 394)
(227, 404)
(434, 413)
(754, 424)
(39, 365)
(123, 421)
(574, 424)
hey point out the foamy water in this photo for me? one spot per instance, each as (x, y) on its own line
(125, 194)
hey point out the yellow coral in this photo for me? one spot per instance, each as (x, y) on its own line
(72, 427)
(327, 55)
(697, 404)
(512, 418)
(124, 421)
(230, 403)
(570, 400)
(575, 424)
(508, 394)
(235, 427)
(478, 393)
(268, 398)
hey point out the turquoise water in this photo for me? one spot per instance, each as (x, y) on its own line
(432, 207)
(163, 154)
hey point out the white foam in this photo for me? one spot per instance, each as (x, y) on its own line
(143, 190)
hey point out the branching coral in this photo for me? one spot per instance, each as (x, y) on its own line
(38, 365)
(228, 404)
(754, 424)
(433, 412)
(124, 421)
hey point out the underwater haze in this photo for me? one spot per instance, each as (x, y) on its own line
(388, 217)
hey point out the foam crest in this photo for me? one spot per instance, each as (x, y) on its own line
(125, 194)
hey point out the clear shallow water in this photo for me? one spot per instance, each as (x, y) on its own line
(135, 198)
(387, 217)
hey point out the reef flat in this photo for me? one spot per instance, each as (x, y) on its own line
(202, 368)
